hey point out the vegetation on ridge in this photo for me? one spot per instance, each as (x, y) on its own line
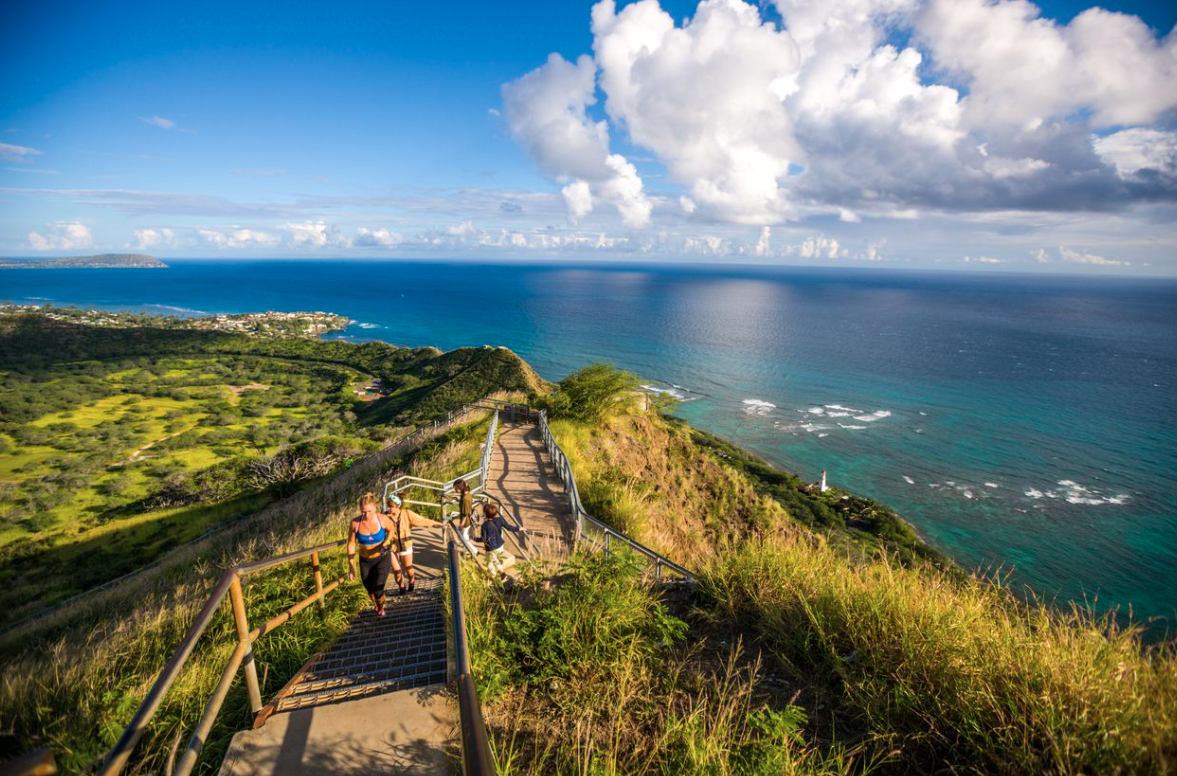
(118, 445)
(74, 689)
(880, 657)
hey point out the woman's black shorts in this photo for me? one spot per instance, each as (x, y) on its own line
(374, 572)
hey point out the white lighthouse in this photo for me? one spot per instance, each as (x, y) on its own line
(823, 488)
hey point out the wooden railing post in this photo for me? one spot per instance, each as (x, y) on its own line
(318, 577)
(255, 693)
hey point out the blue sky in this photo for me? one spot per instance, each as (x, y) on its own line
(861, 132)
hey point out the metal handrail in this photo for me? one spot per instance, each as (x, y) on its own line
(564, 471)
(230, 584)
(242, 656)
(477, 759)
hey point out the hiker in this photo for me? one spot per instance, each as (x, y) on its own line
(492, 539)
(465, 511)
(403, 519)
(370, 533)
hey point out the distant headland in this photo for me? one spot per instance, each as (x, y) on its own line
(101, 261)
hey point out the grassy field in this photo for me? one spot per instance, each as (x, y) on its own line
(179, 415)
(117, 445)
(74, 687)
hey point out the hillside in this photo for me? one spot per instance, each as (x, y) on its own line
(99, 261)
(119, 444)
(822, 638)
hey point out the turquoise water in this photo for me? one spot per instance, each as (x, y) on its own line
(1018, 422)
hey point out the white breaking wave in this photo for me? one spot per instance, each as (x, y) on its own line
(851, 427)
(908, 480)
(177, 309)
(872, 417)
(758, 407)
(368, 325)
(992, 485)
(676, 392)
(1074, 493)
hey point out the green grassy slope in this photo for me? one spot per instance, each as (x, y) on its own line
(117, 445)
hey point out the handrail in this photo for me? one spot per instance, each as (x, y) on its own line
(412, 438)
(477, 759)
(230, 584)
(242, 656)
(582, 517)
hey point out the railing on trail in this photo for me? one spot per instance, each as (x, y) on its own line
(476, 479)
(590, 529)
(476, 755)
(242, 656)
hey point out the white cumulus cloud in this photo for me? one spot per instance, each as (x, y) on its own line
(546, 111)
(377, 238)
(817, 248)
(152, 238)
(237, 238)
(1078, 257)
(1133, 150)
(856, 108)
(62, 236)
(316, 234)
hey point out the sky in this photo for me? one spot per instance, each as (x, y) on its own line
(954, 134)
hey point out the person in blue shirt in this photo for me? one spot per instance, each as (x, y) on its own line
(493, 524)
(371, 534)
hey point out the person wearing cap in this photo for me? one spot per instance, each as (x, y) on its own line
(403, 519)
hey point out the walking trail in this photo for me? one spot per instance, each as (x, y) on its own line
(377, 700)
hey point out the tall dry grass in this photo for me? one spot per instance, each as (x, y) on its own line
(589, 673)
(954, 675)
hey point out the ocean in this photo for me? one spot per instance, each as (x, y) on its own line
(1022, 423)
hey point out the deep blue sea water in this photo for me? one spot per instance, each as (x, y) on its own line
(1025, 422)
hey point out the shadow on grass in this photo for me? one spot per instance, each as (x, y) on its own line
(41, 574)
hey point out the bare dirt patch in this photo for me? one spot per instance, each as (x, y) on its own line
(240, 389)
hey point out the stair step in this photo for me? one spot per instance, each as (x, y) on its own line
(333, 660)
(292, 702)
(315, 682)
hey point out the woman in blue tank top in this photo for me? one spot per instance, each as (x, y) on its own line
(371, 535)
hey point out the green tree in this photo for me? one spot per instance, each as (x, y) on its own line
(589, 394)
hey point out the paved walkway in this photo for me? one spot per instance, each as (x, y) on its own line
(523, 478)
(376, 702)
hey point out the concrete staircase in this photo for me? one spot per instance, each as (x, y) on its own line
(406, 648)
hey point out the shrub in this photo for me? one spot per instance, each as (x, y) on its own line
(589, 394)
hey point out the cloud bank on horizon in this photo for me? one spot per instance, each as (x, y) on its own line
(987, 106)
(975, 134)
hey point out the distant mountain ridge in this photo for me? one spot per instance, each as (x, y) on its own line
(101, 261)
